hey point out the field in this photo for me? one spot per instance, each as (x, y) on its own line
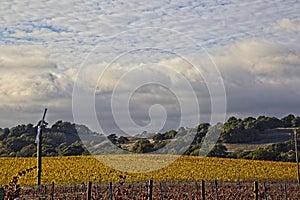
(79, 169)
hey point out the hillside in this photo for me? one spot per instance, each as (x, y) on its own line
(264, 138)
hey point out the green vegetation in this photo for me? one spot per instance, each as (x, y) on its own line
(62, 139)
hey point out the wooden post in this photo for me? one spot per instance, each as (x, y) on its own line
(197, 191)
(296, 152)
(285, 191)
(160, 191)
(39, 148)
(203, 189)
(89, 191)
(255, 190)
(280, 196)
(110, 191)
(98, 191)
(132, 189)
(83, 189)
(39, 162)
(217, 193)
(265, 191)
(150, 189)
(44, 192)
(2, 193)
(52, 191)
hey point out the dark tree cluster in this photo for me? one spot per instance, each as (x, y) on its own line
(62, 139)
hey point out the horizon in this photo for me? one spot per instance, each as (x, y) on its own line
(134, 134)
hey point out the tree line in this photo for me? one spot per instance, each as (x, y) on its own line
(61, 139)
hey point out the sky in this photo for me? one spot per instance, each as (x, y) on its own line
(131, 66)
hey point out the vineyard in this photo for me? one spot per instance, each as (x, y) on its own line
(79, 169)
(166, 190)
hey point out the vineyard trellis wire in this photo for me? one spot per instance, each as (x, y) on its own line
(165, 190)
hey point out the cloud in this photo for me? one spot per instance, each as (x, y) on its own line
(44, 44)
(24, 58)
(288, 25)
(29, 81)
(29, 73)
(261, 77)
(259, 57)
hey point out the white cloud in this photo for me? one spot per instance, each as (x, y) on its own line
(261, 77)
(29, 82)
(44, 43)
(24, 58)
(259, 57)
(286, 24)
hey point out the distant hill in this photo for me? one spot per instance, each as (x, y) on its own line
(263, 138)
(60, 139)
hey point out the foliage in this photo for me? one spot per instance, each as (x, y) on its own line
(19, 140)
(238, 130)
(62, 139)
(13, 189)
(78, 169)
(142, 146)
(165, 136)
(113, 138)
(122, 140)
(219, 150)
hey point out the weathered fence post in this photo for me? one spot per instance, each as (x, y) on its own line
(255, 190)
(265, 191)
(110, 191)
(2, 193)
(132, 193)
(83, 188)
(89, 191)
(150, 189)
(98, 191)
(280, 194)
(160, 191)
(217, 194)
(52, 191)
(197, 191)
(44, 192)
(285, 192)
(203, 189)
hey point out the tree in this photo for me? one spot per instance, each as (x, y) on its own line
(201, 132)
(65, 127)
(159, 144)
(4, 133)
(15, 144)
(122, 140)
(170, 134)
(113, 138)
(263, 154)
(28, 151)
(287, 120)
(142, 146)
(249, 122)
(219, 150)
(158, 137)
